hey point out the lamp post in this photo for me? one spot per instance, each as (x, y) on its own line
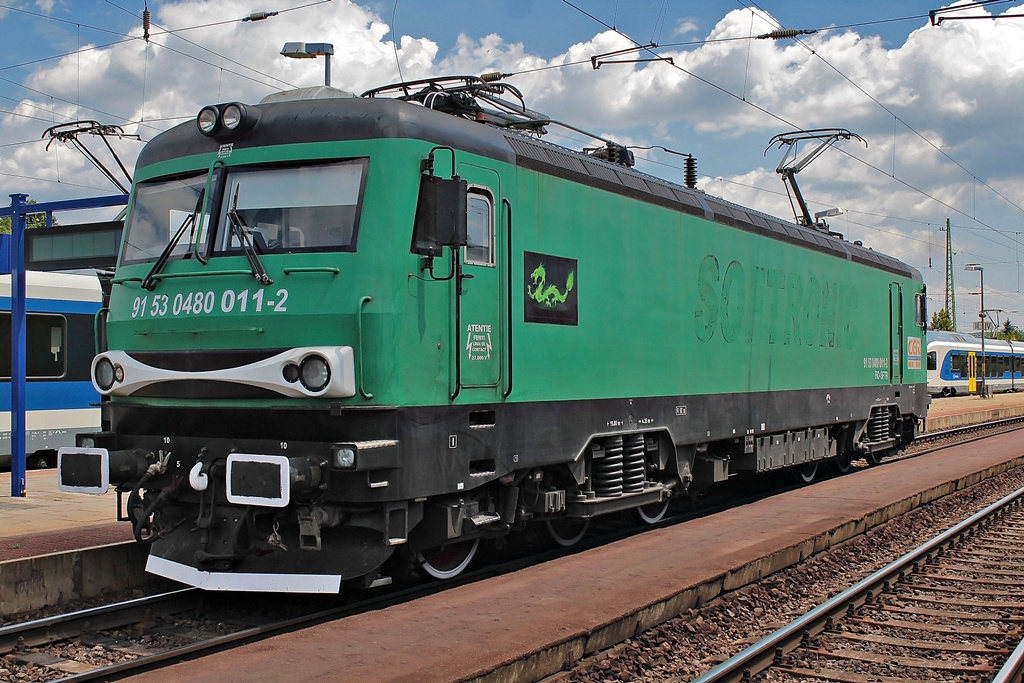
(311, 51)
(981, 315)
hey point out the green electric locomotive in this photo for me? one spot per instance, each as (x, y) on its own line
(345, 330)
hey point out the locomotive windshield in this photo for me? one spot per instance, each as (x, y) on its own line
(284, 209)
(159, 209)
(307, 208)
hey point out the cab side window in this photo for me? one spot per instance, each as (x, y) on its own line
(480, 229)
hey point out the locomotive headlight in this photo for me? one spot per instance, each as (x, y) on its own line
(207, 120)
(104, 373)
(343, 456)
(290, 373)
(118, 373)
(314, 373)
(232, 116)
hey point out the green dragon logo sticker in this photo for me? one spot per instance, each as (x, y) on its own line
(549, 295)
(550, 289)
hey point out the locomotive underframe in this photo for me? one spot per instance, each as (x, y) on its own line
(506, 464)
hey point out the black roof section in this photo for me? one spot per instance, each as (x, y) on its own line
(330, 119)
(324, 119)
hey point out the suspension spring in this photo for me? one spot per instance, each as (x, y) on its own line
(634, 464)
(607, 470)
(878, 426)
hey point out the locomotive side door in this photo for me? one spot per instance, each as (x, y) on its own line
(480, 314)
(896, 333)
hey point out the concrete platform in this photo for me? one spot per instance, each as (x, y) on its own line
(532, 623)
(47, 520)
(56, 547)
(947, 413)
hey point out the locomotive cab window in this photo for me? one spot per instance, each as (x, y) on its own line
(302, 208)
(479, 228)
(159, 209)
(932, 360)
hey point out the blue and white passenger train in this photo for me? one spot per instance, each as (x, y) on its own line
(60, 342)
(955, 364)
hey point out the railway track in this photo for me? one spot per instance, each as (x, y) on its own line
(950, 610)
(979, 428)
(114, 641)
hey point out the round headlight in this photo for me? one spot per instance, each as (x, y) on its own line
(232, 116)
(314, 373)
(207, 120)
(104, 373)
(291, 373)
(118, 373)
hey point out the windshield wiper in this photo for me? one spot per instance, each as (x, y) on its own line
(238, 227)
(149, 282)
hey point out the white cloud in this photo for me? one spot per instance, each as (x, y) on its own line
(685, 27)
(959, 84)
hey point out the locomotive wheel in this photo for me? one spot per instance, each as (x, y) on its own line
(873, 457)
(449, 560)
(651, 513)
(566, 532)
(38, 461)
(843, 463)
(807, 472)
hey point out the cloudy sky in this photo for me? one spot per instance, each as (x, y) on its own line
(939, 106)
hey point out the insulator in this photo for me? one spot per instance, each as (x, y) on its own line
(783, 33)
(690, 172)
(259, 16)
(145, 24)
(634, 463)
(492, 76)
(607, 470)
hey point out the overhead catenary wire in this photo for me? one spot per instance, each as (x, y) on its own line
(781, 119)
(176, 32)
(163, 31)
(896, 117)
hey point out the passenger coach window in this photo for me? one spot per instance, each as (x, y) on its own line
(45, 345)
(479, 230)
(958, 363)
(932, 360)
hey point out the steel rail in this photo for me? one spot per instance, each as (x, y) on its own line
(953, 431)
(761, 654)
(1013, 668)
(51, 629)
